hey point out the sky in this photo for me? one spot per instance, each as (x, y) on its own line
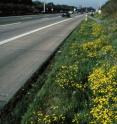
(77, 3)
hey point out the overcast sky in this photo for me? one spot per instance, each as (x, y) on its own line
(93, 3)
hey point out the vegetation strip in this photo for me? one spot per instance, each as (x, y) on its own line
(80, 84)
(80, 87)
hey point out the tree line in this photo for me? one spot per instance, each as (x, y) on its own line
(21, 7)
(110, 8)
(15, 7)
(52, 8)
(28, 2)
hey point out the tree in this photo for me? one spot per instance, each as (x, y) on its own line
(28, 2)
(110, 7)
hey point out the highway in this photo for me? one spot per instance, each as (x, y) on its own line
(16, 19)
(25, 46)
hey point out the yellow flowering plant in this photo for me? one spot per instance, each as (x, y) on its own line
(102, 82)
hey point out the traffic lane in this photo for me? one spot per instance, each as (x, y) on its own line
(9, 54)
(25, 55)
(15, 19)
(11, 26)
(20, 28)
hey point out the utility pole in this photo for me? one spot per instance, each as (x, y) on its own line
(99, 11)
(84, 6)
(44, 6)
(86, 16)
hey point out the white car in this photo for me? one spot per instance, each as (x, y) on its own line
(70, 12)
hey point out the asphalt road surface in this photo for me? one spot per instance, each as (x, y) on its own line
(16, 19)
(25, 46)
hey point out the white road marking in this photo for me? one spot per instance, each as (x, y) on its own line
(79, 15)
(27, 18)
(33, 31)
(44, 19)
(10, 24)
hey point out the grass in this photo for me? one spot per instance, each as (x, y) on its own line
(24, 98)
(70, 93)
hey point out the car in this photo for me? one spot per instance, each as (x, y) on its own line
(67, 14)
(70, 12)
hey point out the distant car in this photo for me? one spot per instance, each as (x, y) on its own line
(67, 14)
(70, 12)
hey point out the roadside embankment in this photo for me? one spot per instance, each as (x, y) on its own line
(80, 84)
